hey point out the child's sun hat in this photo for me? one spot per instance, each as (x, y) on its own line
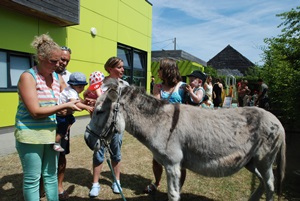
(96, 79)
(77, 78)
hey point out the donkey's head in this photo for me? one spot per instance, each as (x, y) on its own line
(107, 118)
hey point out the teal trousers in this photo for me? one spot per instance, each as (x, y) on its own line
(37, 160)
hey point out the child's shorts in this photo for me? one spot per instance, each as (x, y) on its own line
(63, 123)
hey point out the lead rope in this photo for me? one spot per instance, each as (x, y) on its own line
(111, 169)
(109, 151)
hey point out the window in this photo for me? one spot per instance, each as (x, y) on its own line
(12, 65)
(135, 65)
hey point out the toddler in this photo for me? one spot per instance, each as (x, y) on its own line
(195, 91)
(77, 82)
(94, 91)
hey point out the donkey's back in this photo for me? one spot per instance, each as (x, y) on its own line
(221, 142)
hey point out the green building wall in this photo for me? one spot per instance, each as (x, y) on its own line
(116, 21)
(185, 68)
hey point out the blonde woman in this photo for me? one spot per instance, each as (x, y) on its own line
(38, 89)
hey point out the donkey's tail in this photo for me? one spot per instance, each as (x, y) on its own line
(281, 163)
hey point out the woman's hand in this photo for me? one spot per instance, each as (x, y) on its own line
(72, 105)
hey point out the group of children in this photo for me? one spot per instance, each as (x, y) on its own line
(77, 82)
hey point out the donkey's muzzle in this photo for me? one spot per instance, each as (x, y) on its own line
(91, 141)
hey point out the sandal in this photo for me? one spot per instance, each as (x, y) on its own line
(150, 188)
(63, 196)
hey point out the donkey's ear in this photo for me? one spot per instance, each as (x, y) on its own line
(113, 85)
(112, 95)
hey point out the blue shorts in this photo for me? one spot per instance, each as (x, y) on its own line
(63, 123)
(115, 146)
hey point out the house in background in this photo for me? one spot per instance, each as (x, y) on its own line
(230, 62)
(94, 30)
(186, 62)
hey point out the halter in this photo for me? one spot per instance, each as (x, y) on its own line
(112, 127)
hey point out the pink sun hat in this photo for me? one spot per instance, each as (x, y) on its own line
(96, 79)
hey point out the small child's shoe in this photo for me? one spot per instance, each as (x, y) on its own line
(57, 147)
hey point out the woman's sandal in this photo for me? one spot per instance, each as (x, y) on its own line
(150, 188)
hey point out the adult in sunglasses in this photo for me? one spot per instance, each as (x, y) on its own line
(65, 141)
(65, 59)
(61, 69)
(38, 89)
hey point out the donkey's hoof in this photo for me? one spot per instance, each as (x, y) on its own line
(151, 188)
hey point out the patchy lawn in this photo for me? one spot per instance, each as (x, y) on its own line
(137, 173)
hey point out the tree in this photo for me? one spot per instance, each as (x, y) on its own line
(281, 69)
(211, 71)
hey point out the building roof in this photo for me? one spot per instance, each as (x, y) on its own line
(178, 55)
(230, 58)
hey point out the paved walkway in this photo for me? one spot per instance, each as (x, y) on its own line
(7, 137)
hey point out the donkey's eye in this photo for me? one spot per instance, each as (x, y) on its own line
(99, 112)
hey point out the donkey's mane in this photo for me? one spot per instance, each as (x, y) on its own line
(144, 101)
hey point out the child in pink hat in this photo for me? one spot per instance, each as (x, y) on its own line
(94, 90)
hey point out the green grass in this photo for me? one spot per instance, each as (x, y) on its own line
(136, 174)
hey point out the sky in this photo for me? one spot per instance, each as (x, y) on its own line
(203, 28)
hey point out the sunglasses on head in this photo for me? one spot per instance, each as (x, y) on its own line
(66, 48)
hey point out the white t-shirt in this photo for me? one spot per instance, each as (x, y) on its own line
(67, 94)
(66, 75)
(209, 89)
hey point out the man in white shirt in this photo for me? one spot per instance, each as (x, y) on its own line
(65, 142)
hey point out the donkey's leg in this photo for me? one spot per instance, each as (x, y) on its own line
(173, 176)
(266, 178)
(256, 195)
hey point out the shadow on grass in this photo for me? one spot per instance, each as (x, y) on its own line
(79, 176)
(158, 196)
(83, 177)
(11, 184)
(135, 183)
(11, 187)
(291, 185)
(189, 197)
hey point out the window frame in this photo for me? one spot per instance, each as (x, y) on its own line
(130, 53)
(9, 55)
